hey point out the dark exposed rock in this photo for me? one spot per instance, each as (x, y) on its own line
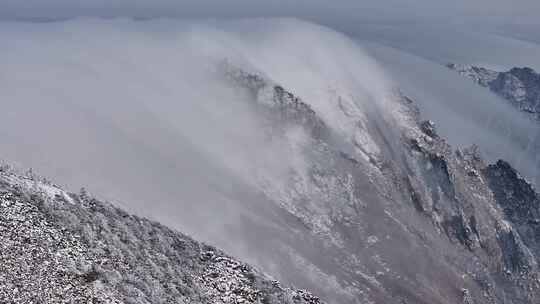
(515, 255)
(462, 195)
(519, 201)
(428, 127)
(521, 86)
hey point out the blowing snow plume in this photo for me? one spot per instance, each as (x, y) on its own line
(147, 114)
(281, 142)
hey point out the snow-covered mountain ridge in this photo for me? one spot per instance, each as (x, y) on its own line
(60, 247)
(520, 86)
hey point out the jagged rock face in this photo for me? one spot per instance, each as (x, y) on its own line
(59, 247)
(521, 86)
(415, 222)
(464, 200)
(519, 202)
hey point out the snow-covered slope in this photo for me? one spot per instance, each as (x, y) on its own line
(59, 247)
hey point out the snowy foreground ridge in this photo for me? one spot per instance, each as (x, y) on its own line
(59, 247)
(279, 141)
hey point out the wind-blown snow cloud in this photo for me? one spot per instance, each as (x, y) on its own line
(134, 111)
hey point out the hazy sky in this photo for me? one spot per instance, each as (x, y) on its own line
(327, 10)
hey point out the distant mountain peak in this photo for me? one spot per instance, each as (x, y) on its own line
(520, 86)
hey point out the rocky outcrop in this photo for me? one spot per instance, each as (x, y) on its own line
(519, 202)
(275, 97)
(59, 247)
(520, 86)
(418, 222)
(488, 209)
